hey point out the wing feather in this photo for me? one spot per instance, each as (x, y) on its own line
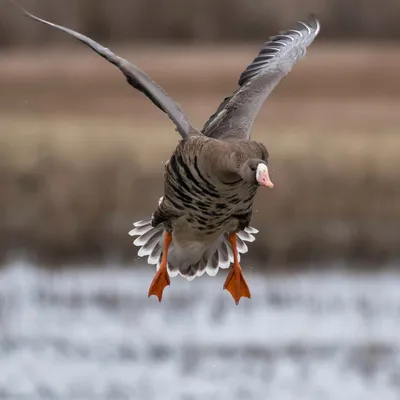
(236, 114)
(135, 77)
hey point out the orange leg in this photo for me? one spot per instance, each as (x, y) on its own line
(161, 279)
(235, 282)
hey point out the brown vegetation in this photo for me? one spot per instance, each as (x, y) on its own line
(82, 154)
(197, 20)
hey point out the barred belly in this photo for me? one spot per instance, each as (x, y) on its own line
(197, 205)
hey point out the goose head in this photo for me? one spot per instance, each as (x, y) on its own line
(255, 171)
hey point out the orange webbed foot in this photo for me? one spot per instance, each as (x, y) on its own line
(236, 285)
(161, 279)
(160, 282)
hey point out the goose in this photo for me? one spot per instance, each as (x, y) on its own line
(202, 221)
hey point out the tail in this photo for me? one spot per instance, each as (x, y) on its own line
(150, 240)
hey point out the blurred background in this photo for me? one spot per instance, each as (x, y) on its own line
(82, 157)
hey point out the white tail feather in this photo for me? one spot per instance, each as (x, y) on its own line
(142, 223)
(140, 230)
(241, 245)
(212, 265)
(246, 236)
(154, 257)
(250, 229)
(150, 240)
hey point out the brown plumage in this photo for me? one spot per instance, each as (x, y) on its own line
(202, 222)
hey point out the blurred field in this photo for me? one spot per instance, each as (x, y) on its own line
(82, 154)
(94, 334)
(197, 21)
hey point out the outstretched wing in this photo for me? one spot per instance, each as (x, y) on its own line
(135, 77)
(236, 114)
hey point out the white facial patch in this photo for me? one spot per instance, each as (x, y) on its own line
(261, 169)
